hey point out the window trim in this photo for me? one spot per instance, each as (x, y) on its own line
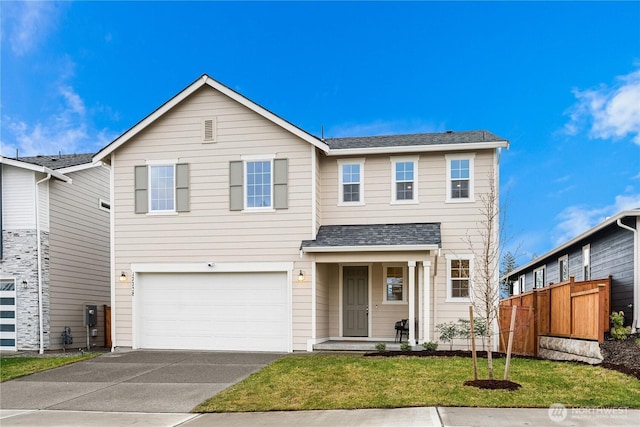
(454, 257)
(564, 258)
(586, 262)
(250, 159)
(404, 284)
(159, 163)
(471, 158)
(522, 284)
(341, 164)
(394, 197)
(543, 269)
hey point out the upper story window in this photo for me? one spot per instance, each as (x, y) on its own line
(538, 277)
(459, 277)
(351, 182)
(404, 183)
(460, 177)
(586, 262)
(394, 290)
(162, 188)
(259, 182)
(518, 286)
(563, 268)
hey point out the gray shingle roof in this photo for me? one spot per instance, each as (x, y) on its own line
(58, 161)
(441, 138)
(376, 235)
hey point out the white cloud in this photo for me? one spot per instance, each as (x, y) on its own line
(609, 112)
(575, 220)
(381, 127)
(68, 130)
(28, 23)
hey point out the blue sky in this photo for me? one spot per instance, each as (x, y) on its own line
(560, 81)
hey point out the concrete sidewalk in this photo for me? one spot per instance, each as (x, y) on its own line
(423, 416)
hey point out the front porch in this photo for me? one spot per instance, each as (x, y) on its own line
(365, 278)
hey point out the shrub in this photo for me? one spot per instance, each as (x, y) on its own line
(448, 331)
(430, 346)
(618, 330)
(381, 347)
(405, 346)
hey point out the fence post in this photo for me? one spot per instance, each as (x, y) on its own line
(514, 310)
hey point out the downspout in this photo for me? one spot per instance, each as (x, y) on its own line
(39, 252)
(636, 274)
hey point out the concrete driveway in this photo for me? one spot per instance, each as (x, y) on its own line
(135, 381)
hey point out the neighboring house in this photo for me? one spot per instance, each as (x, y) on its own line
(235, 230)
(54, 255)
(611, 248)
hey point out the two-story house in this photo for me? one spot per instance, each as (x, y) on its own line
(54, 251)
(233, 229)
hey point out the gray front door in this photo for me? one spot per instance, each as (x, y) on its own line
(355, 316)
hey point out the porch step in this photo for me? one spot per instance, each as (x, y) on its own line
(353, 346)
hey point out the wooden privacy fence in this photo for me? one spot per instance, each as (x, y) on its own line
(569, 309)
(107, 326)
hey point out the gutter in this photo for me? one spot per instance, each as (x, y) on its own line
(39, 252)
(635, 325)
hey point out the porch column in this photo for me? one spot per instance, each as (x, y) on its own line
(426, 315)
(412, 302)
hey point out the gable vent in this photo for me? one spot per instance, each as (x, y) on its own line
(209, 129)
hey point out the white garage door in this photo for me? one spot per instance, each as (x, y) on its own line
(212, 311)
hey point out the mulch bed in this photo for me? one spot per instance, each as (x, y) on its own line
(622, 356)
(493, 384)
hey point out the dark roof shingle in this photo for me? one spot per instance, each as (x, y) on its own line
(442, 138)
(58, 161)
(376, 235)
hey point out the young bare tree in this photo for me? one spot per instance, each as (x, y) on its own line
(485, 244)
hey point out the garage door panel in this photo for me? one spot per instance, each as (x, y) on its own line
(214, 311)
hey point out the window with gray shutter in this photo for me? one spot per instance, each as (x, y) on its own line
(236, 194)
(280, 179)
(182, 187)
(141, 189)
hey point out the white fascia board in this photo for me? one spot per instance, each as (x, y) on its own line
(420, 148)
(561, 248)
(212, 267)
(79, 168)
(35, 168)
(185, 93)
(379, 248)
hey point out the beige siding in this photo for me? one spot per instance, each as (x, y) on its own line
(322, 300)
(210, 231)
(79, 253)
(18, 198)
(384, 315)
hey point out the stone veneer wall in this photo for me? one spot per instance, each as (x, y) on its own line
(570, 349)
(20, 261)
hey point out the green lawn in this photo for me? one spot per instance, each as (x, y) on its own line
(347, 381)
(14, 367)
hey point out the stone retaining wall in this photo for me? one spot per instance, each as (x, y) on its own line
(555, 348)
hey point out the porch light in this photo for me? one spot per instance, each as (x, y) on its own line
(123, 277)
(301, 277)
